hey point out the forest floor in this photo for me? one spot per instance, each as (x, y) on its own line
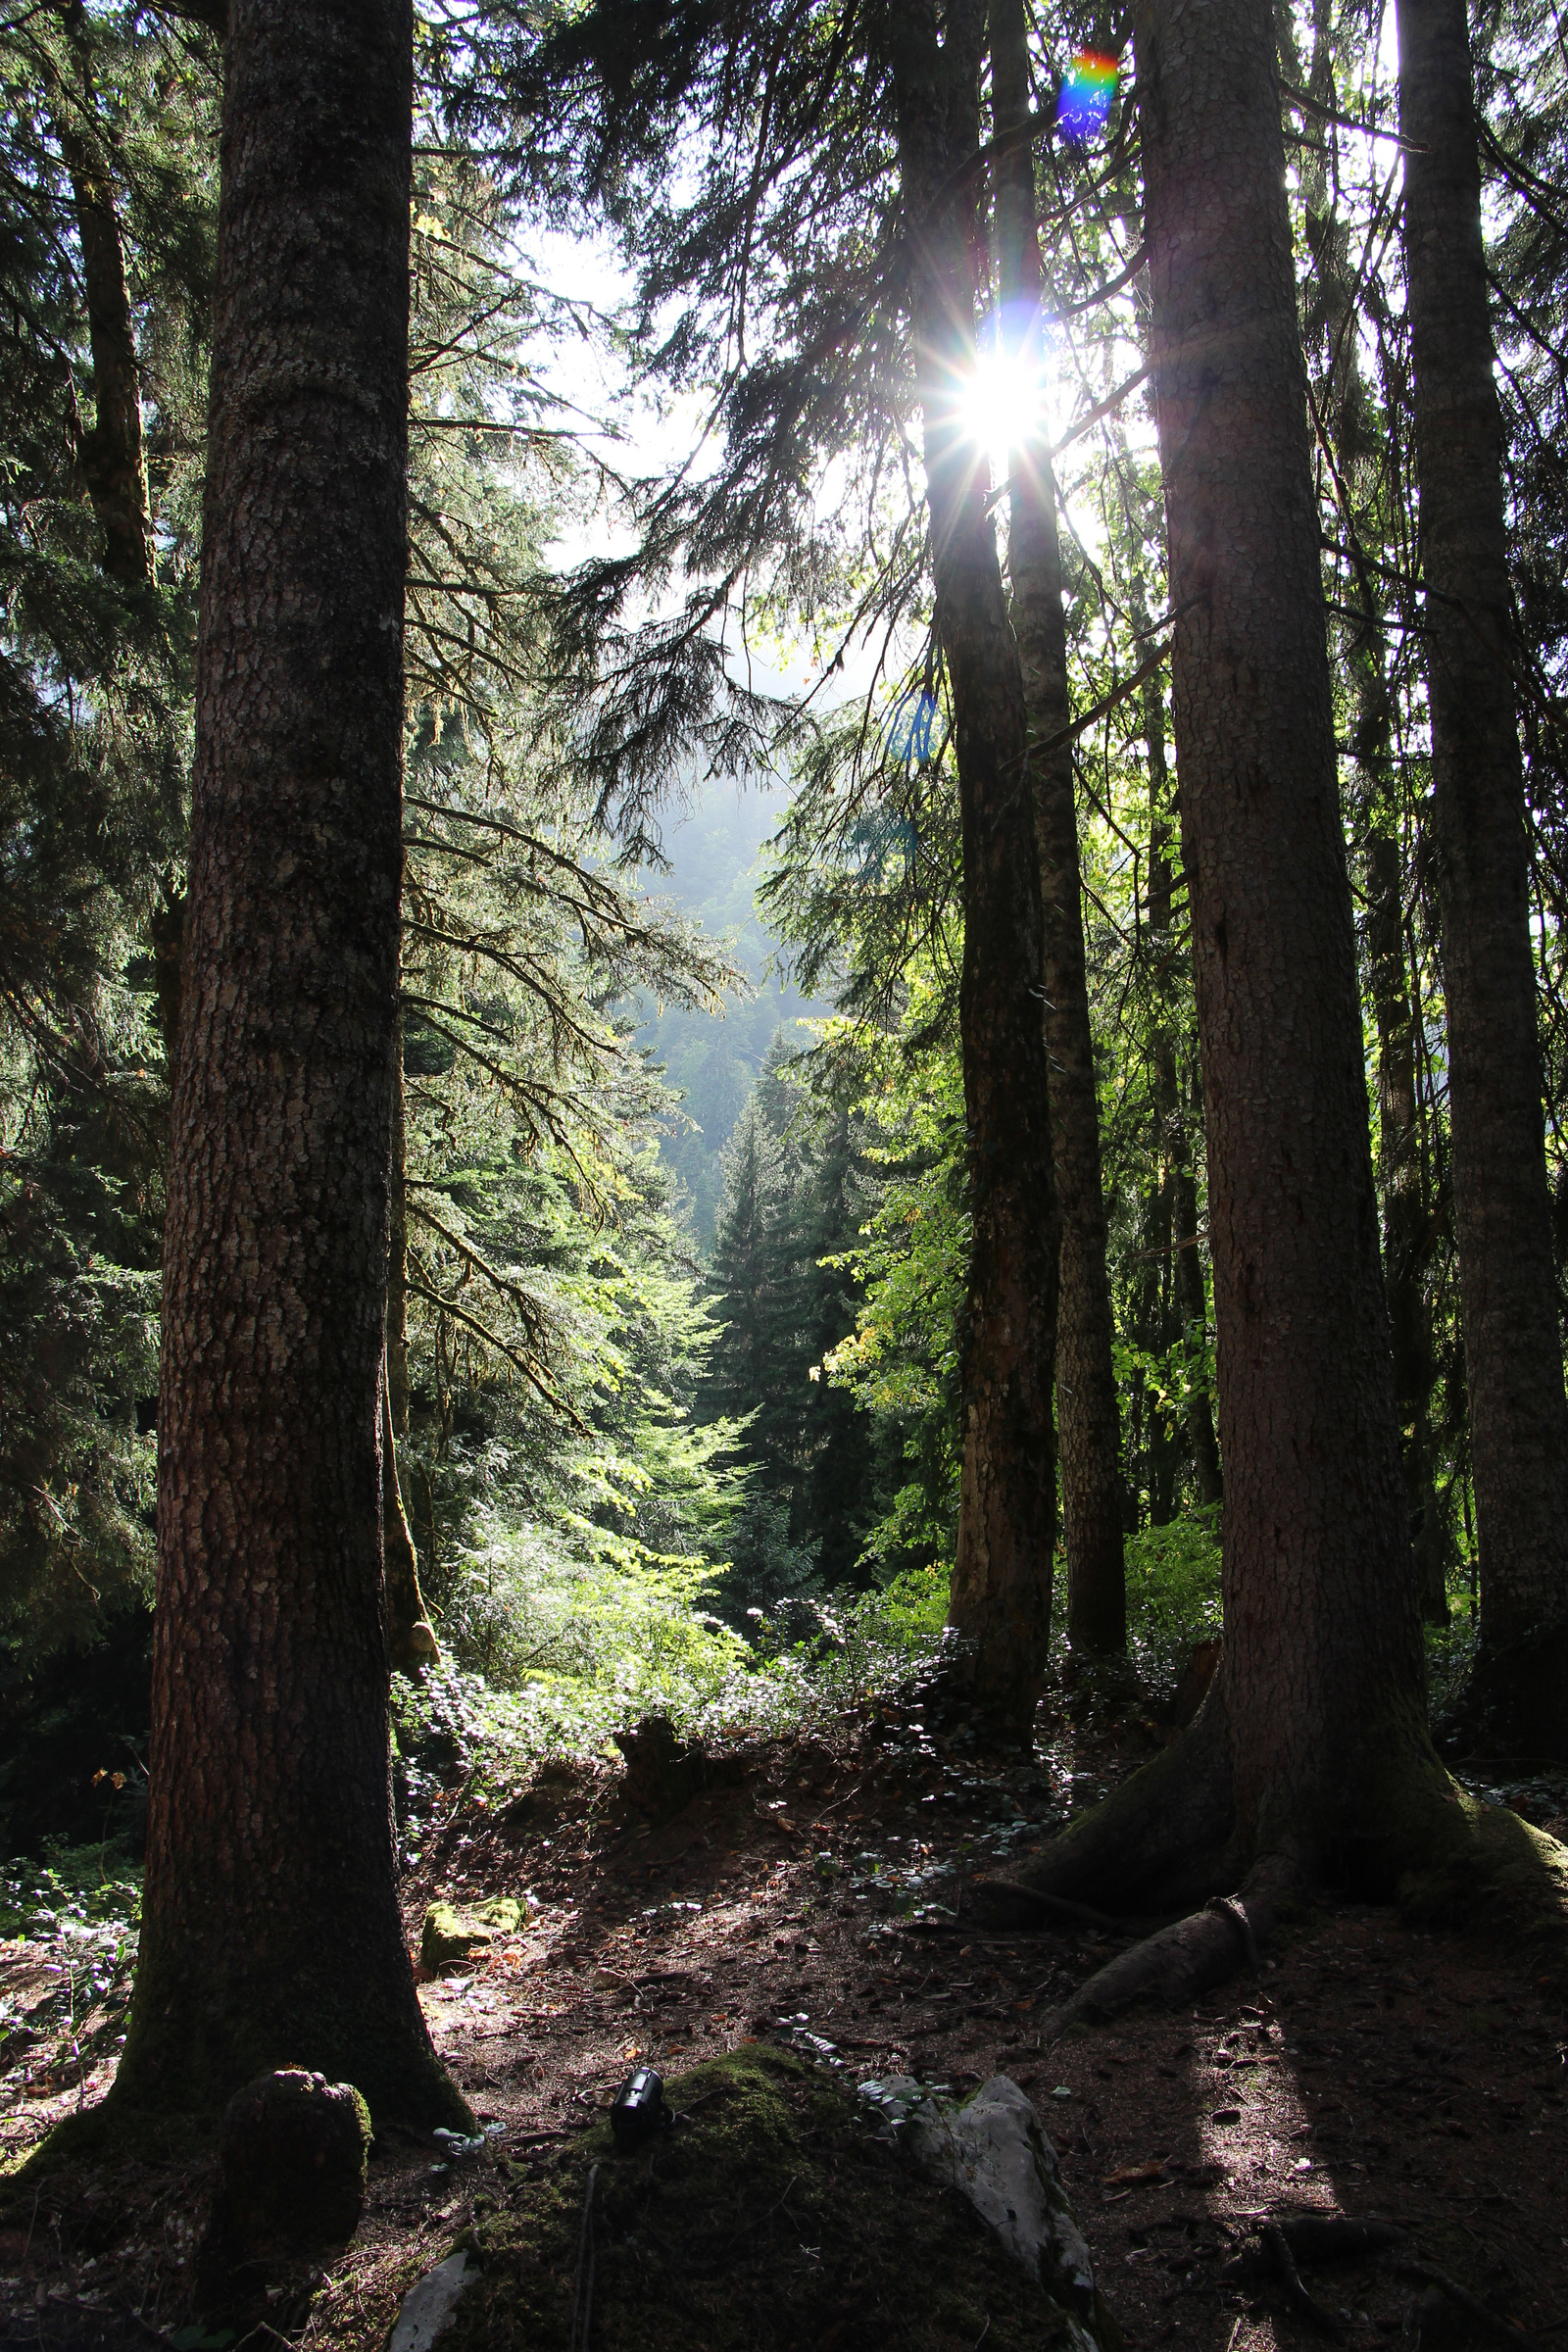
(1367, 2070)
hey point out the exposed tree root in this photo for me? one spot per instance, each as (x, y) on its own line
(1395, 1825)
(1308, 2239)
(1187, 1959)
(1295, 2294)
(1313, 2239)
(1495, 2326)
(1004, 1904)
(1159, 1843)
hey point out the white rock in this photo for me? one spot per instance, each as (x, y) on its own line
(995, 2149)
(428, 2306)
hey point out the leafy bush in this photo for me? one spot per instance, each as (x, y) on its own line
(72, 1890)
(1173, 1593)
(582, 1645)
(588, 1646)
(1451, 1654)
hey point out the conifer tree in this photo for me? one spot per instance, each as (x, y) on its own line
(270, 1757)
(838, 1486)
(1007, 1514)
(1322, 1657)
(1314, 1729)
(1513, 1342)
(754, 1275)
(864, 333)
(107, 202)
(1086, 1381)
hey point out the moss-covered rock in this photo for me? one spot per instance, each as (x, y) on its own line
(780, 2214)
(455, 1932)
(294, 2150)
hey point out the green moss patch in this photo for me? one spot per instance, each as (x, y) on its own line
(775, 2219)
(455, 1931)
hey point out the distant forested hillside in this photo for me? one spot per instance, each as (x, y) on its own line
(712, 1060)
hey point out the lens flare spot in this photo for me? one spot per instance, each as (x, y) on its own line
(1085, 99)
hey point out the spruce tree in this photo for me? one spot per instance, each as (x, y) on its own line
(838, 1495)
(1314, 1729)
(271, 1934)
(1086, 1382)
(755, 1274)
(106, 207)
(1513, 1342)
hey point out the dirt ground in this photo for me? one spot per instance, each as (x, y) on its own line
(1367, 2070)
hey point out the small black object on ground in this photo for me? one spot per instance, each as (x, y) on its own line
(639, 2113)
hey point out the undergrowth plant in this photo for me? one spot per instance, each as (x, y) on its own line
(579, 1644)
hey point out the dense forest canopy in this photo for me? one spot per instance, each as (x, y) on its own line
(863, 879)
(852, 959)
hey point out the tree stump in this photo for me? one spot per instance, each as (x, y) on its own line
(294, 2150)
(664, 1773)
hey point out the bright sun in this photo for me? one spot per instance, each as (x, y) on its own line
(1005, 402)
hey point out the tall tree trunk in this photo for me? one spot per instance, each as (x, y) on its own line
(1322, 1654)
(1507, 1287)
(410, 1636)
(1406, 1221)
(271, 1933)
(1179, 1225)
(1192, 1291)
(1311, 1751)
(1002, 1577)
(1086, 1382)
(1152, 1291)
(1151, 1320)
(1406, 1217)
(1180, 1123)
(113, 461)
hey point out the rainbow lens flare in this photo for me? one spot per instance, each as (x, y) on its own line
(1086, 96)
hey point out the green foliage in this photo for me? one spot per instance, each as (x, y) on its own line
(615, 1647)
(79, 1356)
(767, 1582)
(1173, 1595)
(1452, 1653)
(81, 1910)
(575, 1558)
(632, 1487)
(901, 1360)
(69, 1891)
(797, 1189)
(94, 737)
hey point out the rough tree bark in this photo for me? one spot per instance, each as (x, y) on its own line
(1509, 1296)
(271, 1931)
(1157, 1317)
(110, 452)
(1152, 1327)
(1087, 1420)
(1311, 1752)
(1322, 1644)
(1002, 1577)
